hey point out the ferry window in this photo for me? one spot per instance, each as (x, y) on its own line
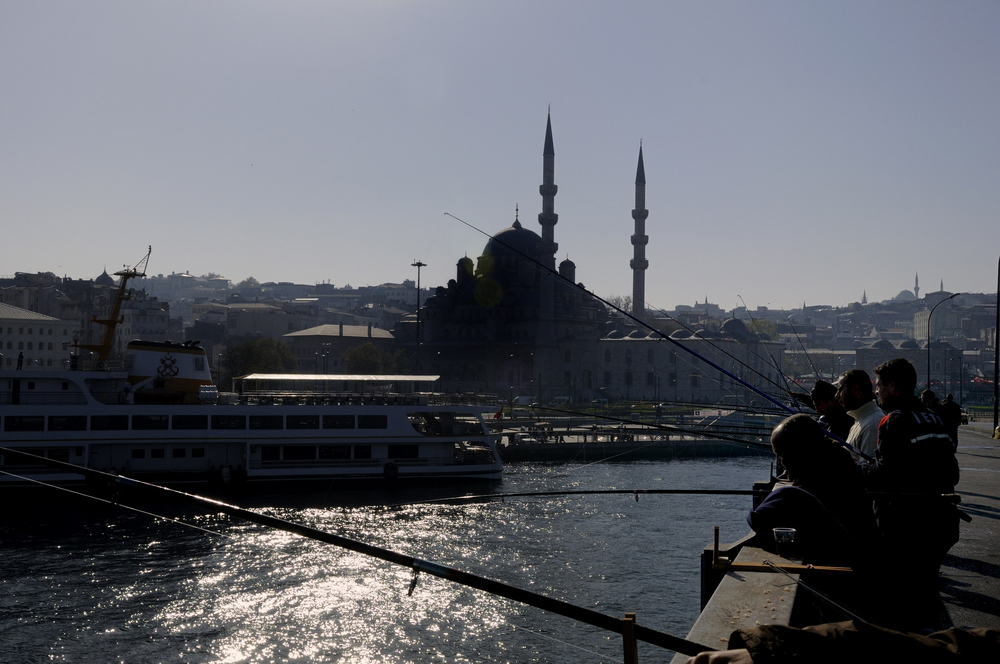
(31, 384)
(302, 421)
(362, 451)
(178, 453)
(197, 452)
(270, 453)
(65, 385)
(299, 452)
(267, 422)
(109, 422)
(404, 451)
(373, 422)
(338, 421)
(156, 453)
(24, 423)
(199, 364)
(334, 451)
(149, 422)
(67, 422)
(59, 454)
(189, 422)
(229, 422)
(138, 454)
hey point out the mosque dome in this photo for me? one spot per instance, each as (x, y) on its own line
(104, 280)
(905, 295)
(881, 344)
(514, 241)
(909, 344)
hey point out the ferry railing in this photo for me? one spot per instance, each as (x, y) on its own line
(43, 399)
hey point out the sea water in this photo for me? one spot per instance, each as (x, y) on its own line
(89, 582)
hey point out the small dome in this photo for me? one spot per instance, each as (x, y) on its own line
(881, 344)
(905, 295)
(566, 263)
(636, 334)
(736, 329)
(909, 344)
(680, 334)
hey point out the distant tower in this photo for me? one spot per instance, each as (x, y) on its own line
(864, 297)
(942, 285)
(639, 241)
(916, 285)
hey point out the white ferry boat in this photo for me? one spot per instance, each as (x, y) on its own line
(157, 415)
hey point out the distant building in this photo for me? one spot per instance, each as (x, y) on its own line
(320, 349)
(43, 341)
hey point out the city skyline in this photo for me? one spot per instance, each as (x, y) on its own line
(792, 153)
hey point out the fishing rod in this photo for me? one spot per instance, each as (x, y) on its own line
(550, 272)
(559, 607)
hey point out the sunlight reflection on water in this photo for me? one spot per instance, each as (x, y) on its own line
(102, 584)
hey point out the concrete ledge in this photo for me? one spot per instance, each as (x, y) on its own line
(742, 600)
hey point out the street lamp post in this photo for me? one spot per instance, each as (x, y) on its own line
(418, 264)
(953, 295)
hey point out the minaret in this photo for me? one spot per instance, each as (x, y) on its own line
(548, 218)
(545, 341)
(916, 285)
(639, 242)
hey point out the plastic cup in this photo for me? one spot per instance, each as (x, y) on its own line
(784, 540)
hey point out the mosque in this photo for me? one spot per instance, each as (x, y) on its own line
(513, 324)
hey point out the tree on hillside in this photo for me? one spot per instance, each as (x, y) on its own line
(767, 330)
(263, 355)
(368, 359)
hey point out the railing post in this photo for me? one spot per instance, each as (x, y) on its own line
(631, 647)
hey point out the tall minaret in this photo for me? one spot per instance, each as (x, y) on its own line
(548, 218)
(916, 285)
(545, 340)
(639, 241)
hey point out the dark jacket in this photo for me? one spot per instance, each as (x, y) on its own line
(915, 455)
(832, 518)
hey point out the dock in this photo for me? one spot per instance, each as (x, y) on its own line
(970, 575)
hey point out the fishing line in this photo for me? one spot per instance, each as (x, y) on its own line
(589, 492)
(803, 346)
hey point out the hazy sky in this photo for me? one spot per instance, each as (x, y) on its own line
(794, 151)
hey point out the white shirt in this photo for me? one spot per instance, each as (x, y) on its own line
(864, 431)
